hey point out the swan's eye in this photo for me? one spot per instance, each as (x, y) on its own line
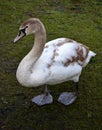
(22, 31)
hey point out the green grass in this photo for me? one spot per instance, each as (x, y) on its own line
(76, 19)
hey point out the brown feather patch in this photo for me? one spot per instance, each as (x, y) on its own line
(80, 58)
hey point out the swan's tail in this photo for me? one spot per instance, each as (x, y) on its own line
(90, 55)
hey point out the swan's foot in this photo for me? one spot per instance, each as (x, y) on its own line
(68, 98)
(43, 99)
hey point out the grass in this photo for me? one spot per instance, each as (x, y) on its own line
(76, 19)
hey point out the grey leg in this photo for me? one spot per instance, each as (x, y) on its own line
(68, 98)
(43, 99)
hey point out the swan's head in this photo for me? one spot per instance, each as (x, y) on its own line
(32, 25)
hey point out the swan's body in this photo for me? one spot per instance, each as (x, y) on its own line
(55, 62)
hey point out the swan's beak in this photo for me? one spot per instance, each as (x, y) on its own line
(18, 37)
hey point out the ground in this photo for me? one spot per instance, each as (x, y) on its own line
(75, 19)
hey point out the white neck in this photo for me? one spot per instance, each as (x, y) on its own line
(25, 67)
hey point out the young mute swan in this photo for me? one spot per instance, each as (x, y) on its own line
(52, 63)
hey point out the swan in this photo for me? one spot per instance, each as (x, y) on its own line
(52, 63)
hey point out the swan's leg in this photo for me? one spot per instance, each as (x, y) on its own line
(43, 99)
(68, 98)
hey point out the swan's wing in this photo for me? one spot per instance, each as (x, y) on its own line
(61, 60)
(65, 51)
(61, 53)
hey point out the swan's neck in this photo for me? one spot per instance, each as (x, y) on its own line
(25, 67)
(40, 39)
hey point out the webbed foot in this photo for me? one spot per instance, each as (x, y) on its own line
(43, 99)
(67, 98)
